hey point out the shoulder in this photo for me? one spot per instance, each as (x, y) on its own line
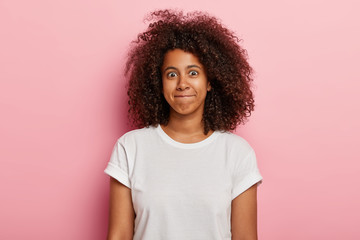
(136, 135)
(234, 141)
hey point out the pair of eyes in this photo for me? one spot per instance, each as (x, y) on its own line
(174, 74)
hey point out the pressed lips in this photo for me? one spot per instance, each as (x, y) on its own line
(184, 95)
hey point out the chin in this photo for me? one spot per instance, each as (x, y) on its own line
(182, 112)
(185, 111)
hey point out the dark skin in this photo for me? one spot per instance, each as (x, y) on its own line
(185, 86)
(121, 212)
(244, 215)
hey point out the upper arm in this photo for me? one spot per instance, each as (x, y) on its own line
(121, 214)
(244, 215)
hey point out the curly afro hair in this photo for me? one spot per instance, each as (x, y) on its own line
(230, 100)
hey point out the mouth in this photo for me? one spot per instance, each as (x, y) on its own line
(184, 96)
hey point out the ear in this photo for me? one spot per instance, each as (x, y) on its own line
(208, 87)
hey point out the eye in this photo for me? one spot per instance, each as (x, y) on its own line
(193, 73)
(171, 74)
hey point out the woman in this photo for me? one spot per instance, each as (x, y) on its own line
(182, 174)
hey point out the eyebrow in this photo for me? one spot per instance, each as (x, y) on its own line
(189, 66)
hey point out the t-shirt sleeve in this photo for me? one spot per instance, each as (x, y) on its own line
(118, 167)
(246, 174)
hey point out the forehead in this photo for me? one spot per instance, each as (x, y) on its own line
(180, 59)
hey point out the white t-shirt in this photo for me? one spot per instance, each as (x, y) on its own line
(179, 190)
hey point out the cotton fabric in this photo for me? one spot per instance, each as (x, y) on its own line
(183, 191)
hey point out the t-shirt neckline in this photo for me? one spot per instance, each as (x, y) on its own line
(174, 143)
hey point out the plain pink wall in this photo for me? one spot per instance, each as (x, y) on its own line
(63, 106)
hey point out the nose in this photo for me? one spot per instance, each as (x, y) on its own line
(182, 84)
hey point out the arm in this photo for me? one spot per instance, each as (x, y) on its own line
(121, 215)
(244, 215)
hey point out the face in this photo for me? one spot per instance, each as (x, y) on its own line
(185, 84)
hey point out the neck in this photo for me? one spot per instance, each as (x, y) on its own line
(186, 124)
(186, 129)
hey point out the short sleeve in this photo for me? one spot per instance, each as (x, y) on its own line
(118, 167)
(245, 174)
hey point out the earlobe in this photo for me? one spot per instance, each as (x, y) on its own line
(208, 87)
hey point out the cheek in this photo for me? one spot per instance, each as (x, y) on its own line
(164, 86)
(167, 86)
(166, 91)
(201, 87)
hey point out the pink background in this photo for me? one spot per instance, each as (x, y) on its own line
(63, 106)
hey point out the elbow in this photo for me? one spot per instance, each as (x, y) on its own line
(244, 237)
(120, 237)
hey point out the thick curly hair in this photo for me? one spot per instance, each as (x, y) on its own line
(230, 100)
